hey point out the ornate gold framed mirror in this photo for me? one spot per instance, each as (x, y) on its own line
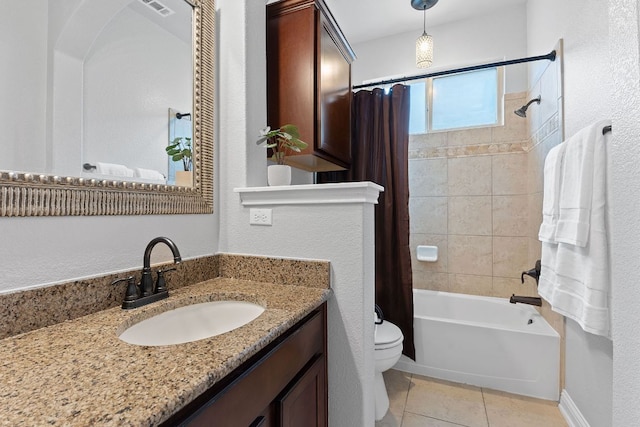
(38, 194)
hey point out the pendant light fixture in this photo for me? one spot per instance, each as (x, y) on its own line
(424, 43)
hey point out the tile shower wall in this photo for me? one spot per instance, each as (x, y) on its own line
(477, 195)
(469, 196)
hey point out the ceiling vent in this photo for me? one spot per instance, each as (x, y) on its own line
(158, 7)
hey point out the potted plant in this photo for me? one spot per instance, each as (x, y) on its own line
(286, 137)
(180, 149)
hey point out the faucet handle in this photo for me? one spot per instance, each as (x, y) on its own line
(161, 284)
(534, 272)
(132, 288)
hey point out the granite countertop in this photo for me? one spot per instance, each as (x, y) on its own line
(79, 372)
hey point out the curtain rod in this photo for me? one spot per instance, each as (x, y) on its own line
(551, 56)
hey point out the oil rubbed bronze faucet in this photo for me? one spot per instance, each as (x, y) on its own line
(525, 300)
(146, 293)
(534, 272)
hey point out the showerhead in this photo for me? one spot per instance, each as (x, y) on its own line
(522, 111)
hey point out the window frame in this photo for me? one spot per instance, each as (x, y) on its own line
(500, 86)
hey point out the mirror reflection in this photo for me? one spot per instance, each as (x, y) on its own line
(97, 84)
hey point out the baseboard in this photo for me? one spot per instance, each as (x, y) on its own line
(570, 411)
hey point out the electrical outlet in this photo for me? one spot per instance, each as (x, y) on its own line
(260, 216)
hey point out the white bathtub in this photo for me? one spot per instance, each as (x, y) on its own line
(486, 342)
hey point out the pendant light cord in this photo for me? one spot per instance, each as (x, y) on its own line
(424, 19)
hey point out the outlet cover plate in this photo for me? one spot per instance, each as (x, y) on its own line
(260, 216)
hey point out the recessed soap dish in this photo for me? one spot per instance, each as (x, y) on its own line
(427, 253)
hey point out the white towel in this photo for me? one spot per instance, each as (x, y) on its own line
(149, 174)
(574, 279)
(551, 195)
(548, 277)
(576, 193)
(113, 169)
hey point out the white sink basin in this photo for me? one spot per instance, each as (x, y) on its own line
(192, 323)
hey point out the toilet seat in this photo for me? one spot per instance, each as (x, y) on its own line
(387, 335)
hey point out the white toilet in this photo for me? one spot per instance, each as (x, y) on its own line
(388, 339)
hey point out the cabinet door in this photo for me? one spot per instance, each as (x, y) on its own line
(291, 70)
(304, 403)
(266, 419)
(335, 100)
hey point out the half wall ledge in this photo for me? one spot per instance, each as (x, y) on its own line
(348, 192)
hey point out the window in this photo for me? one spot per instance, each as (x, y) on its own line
(417, 108)
(455, 101)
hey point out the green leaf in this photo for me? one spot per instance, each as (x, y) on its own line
(291, 130)
(287, 137)
(300, 144)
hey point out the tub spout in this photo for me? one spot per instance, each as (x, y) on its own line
(526, 300)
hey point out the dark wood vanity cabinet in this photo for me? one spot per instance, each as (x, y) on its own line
(309, 82)
(285, 384)
(303, 404)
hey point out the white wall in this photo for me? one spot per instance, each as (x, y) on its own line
(588, 370)
(344, 235)
(492, 37)
(583, 26)
(624, 41)
(23, 84)
(45, 250)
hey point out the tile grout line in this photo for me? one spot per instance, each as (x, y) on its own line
(406, 399)
(484, 403)
(434, 418)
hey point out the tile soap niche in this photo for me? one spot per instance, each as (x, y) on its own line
(427, 253)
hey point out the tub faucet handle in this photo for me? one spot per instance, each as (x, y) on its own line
(534, 272)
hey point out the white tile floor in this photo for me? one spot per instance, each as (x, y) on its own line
(417, 401)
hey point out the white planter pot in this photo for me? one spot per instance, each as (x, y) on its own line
(279, 175)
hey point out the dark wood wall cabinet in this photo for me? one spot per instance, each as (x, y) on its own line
(309, 82)
(285, 384)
